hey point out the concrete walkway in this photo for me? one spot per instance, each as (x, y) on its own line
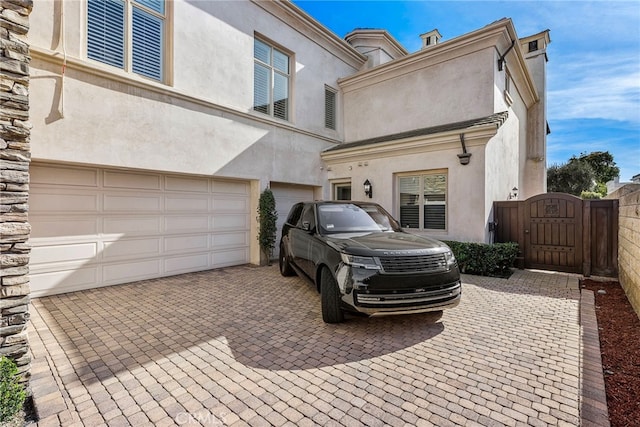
(245, 346)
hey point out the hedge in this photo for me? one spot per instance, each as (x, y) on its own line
(12, 394)
(483, 259)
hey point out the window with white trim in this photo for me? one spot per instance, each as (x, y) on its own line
(342, 191)
(128, 34)
(423, 201)
(329, 108)
(508, 83)
(271, 80)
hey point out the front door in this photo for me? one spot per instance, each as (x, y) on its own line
(553, 232)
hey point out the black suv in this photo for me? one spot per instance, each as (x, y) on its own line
(361, 261)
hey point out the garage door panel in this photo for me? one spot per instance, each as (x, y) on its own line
(63, 281)
(52, 202)
(62, 253)
(186, 263)
(181, 244)
(230, 204)
(130, 271)
(62, 227)
(61, 176)
(132, 203)
(230, 187)
(117, 179)
(193, 185)
(132, 226)
(94, 227)
(187, 224)
(118, 249)
(230, 239)
(195, 203)
(222, 222)
(230, 257)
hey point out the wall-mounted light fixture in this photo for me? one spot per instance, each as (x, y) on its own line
(368, 188)
(514, 193)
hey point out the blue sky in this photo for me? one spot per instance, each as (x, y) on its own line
(593, 73)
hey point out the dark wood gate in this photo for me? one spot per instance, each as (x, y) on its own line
(561, 232)
(553, 232)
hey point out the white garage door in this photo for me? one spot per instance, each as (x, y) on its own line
(94, 227)
(286, 196)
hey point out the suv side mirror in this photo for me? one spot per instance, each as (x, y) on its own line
(306, 226)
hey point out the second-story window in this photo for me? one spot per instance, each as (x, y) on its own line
(128, 34)
(271, 80)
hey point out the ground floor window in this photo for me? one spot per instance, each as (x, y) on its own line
(342, 191)
(423, 200)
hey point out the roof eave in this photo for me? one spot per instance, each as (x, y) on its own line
(473, 135)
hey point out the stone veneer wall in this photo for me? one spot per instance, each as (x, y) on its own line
(629, 241)
(14, 182)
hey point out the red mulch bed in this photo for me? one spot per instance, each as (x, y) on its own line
(619, 330)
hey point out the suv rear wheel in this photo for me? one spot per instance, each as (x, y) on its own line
(330, 298)
(285, 268)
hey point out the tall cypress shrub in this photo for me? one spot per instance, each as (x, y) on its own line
(267, 217)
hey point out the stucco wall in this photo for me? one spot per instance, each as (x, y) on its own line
(629, 241)
(501, 166)
(203, 122)
(221, 34)
(110, 123)
(431, 92)
(465, 186)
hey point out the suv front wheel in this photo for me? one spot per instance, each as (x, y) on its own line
(330, 298)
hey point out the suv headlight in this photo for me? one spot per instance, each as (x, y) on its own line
(365, 262)
(450, 258)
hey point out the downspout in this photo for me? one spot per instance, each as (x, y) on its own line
(501, 59)
(64, 57)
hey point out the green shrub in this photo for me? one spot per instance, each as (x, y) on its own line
(267, 217)
(484, 259)
(590, 195)
(12, 394)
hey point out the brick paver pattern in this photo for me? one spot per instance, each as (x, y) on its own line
(245, 346)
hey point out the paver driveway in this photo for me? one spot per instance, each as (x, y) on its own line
(245, 346)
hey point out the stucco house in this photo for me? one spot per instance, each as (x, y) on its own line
(156, 125)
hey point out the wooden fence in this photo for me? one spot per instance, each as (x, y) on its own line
(561, 232)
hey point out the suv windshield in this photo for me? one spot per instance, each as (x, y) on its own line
(350, 218)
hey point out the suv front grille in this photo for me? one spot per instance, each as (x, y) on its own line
(414, 298)
(419, 263)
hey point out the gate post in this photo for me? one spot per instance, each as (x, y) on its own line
(586, 238)
(615, 217)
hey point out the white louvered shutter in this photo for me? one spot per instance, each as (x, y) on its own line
(147, 32)
(105, 31)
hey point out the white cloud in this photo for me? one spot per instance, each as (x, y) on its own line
(596, 86)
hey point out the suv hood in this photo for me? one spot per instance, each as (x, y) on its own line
(376, 244)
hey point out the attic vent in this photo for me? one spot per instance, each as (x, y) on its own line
(431, 38)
